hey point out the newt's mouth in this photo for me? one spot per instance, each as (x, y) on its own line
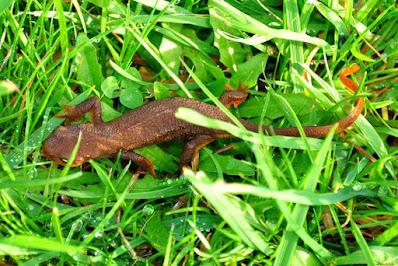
(58, 160)
(77, 162)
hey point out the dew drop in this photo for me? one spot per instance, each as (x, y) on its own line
(148, 209)
(357, 186)
(77, 225)
(98, 235)
(383, 190)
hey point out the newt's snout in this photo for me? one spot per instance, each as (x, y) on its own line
(58, 147)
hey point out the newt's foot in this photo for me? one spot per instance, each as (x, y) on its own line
(147, 169)
(91, 105)
(70, 114)
(234, 97)
(190, 153)
(145, 165)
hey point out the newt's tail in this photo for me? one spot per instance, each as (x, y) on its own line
(322, 131)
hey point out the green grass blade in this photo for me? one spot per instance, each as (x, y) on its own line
(35, 243)
(294, 196)
(230, 211)
(19, 184)
(289, 240)
(62, 26)
(362, 243)
(275, 141)
(237, 19)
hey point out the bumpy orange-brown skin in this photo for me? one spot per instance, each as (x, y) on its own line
(152, 123)
(156, 123)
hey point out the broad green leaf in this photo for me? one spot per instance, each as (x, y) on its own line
(88, 68)
(131, 97)
(160, 91)
(162, 160)
(110, 87)
(231, 53)
(131, 78)
(204, 68)
(108, 113)
(156, 233)
(182, 228)
(171, 52)
(249, 71)
(229, 165)
(205, 47)
(131, 74)
(304, 258)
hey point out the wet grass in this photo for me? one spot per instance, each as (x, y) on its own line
(268, 200)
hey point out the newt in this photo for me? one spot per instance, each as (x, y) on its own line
(155, 123)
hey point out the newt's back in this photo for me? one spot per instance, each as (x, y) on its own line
(155, 122)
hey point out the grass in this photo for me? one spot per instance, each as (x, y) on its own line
(269, 200)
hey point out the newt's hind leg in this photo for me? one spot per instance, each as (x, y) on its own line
(144, 164)
(234, 97)
(190, 154)
(74, 112)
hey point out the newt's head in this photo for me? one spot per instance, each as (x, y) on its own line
(58, 147)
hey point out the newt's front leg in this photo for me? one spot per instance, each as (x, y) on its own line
(91, 105)
(144, 164)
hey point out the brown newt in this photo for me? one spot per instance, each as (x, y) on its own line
(155, 123)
